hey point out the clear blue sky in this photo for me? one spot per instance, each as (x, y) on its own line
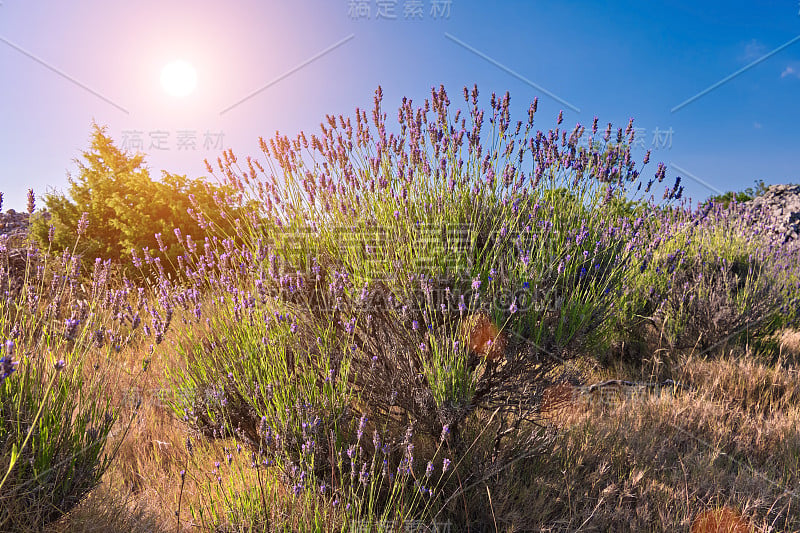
(65, 64)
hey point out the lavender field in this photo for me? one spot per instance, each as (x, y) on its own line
(427, 316)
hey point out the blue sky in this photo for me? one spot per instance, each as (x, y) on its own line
(65, 64)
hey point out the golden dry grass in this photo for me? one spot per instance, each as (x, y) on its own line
(140, 492)
(722, 520)
(650, 464)
(658, 463)
(789, 343)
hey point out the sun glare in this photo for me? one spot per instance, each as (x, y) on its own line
(179, 78)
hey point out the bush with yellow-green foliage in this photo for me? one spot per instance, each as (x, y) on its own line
(118, 207)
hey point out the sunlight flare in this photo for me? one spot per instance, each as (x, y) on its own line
(179, 78)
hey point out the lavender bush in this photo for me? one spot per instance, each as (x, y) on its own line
(707, 276)
(54, 416)
(373, 248)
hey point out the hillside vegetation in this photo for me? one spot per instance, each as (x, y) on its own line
(397, 327)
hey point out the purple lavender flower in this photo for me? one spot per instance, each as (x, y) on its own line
(7, 367)
(308, 447)
(137, 262)
(31, 201)
(362, 424)
(83, 223)
(445, 465)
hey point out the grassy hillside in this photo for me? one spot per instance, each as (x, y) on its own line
(401, 330)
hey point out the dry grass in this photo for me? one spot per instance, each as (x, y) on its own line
(726, 453)
(139, 492)
(660, 463)
(722, 520)
(789, 344)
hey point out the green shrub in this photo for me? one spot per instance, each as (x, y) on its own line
(125, 209)
(740, 196)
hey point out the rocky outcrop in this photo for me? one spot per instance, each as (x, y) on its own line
(14, 225)
(779, 207)
(14, 256)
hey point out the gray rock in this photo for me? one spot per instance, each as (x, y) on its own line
(778, 207)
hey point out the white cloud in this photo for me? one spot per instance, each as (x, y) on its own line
(753, 50)
(790, 71)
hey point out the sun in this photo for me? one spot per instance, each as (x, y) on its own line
(179, 78)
